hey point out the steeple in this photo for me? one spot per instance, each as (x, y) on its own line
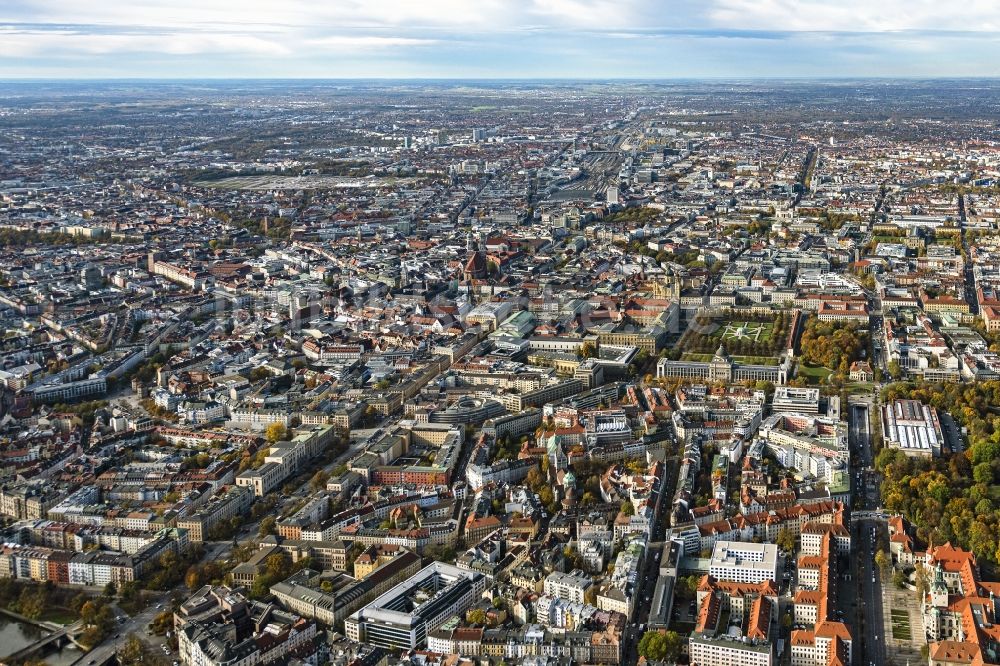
(939, 588)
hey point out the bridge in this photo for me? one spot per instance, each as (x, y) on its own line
(60, 636)
(55, 638)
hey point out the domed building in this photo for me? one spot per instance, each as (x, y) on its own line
(721, 366)
(568, 482)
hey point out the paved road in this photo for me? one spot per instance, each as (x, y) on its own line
(104, 652)
(866, 534)
(970, 277)
(649, 569)
(870, 609)
(876, 326)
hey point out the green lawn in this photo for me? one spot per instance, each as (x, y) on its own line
(725, 330)
(744, 360)
(59, 615)
(756, 360)
(814, 374)
(900, 625)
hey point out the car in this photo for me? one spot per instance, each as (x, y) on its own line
(118, 635)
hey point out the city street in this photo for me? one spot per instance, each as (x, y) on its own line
(866, 532)
(134, 625)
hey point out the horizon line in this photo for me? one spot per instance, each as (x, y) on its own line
(913, 77)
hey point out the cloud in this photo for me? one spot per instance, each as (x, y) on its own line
(21, 43)
(368, 42)
(858, 16)
(497, 37)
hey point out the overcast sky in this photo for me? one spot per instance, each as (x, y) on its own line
(498, 38)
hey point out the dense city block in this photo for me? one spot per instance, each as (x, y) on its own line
(483, 373)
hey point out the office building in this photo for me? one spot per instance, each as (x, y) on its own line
(744, 562)
(402, 617)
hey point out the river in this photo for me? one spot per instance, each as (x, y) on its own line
(15, 635)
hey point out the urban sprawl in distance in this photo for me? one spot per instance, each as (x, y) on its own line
(480, 373)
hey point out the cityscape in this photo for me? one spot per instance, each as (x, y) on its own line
(486, 371)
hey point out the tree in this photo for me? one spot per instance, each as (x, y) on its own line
(440, 553)
(193, 578)
(534, 478)
(276, 432)
(983, 473)
(899, 579)
(984, 451)
(627, 508)
(785, 540)
(267, 526)
(831, 344)
(77, 602)
(688, 587)
(276, 566)
(110, 589)
(129, 591)
(131, 652)
(318, 480)
(545, 495)
(163, 622)
(660, 645)
(883, 561)
(259, 374)
(32, 602)
(476, 616)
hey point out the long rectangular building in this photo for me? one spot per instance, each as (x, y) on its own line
(912, 427)
(402, 617)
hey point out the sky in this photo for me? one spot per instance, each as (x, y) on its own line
(600, 39)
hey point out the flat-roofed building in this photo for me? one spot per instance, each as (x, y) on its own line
(795, 399)
(912, 427)
(571, 586)
(744, 562)
(402, 617)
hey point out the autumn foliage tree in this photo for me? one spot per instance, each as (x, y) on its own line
(831, 344)
(275, 432)
(660, 645)
(954, 497)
